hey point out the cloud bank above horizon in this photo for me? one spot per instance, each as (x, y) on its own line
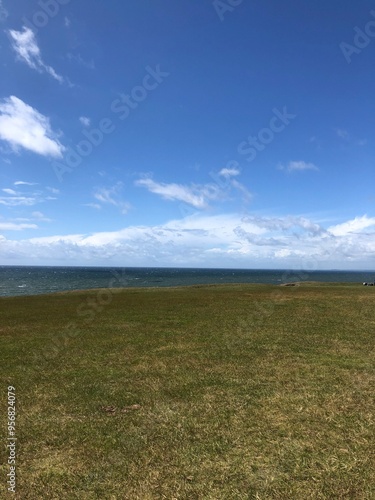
(230, 240)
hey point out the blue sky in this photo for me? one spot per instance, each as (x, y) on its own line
(218, 133)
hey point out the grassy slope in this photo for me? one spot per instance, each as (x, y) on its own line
(245, 391)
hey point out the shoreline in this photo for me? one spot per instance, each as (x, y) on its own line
(115, 290)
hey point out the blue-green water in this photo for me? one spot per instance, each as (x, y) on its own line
(36, 280)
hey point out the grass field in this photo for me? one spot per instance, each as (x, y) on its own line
(204, 392)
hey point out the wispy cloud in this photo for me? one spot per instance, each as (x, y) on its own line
(297, 166)
(246, 194)
(13, 226)
(25, 45)
(348, 138)
(343, 134)
(85, 121)
(112, 196)
(78, 59)
(196, 195)
(22, 223)
(229, 172)
(3, 12)
(24, 183)
(22, 198)
(15, 201)
(22, 126)
(9, 191)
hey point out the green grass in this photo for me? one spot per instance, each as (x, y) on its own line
(244, 392)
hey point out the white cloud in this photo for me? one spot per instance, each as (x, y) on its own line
(85, 121)
(25, 45)
(11, 226)
(195, 195)
(22, 126)
(24, 183)
(345, 136)
(19, 198)
(14, 201)
(111, 196)
(284, 252)
(353, 226)
(229, 172)
(297, 166)
(21, 223)
(210, 241)
(198, 195)
(283, 224)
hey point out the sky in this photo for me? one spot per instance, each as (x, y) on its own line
(197, 133)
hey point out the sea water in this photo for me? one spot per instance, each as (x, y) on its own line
(25, 280)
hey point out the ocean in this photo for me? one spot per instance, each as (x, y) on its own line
(25, 280)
